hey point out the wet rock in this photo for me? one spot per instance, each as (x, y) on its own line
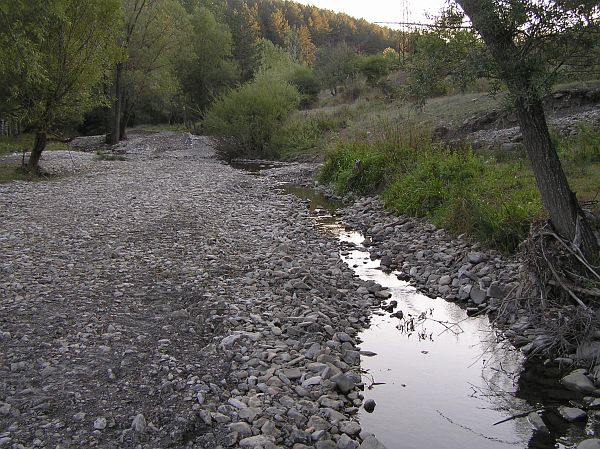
(345, 442)
(343, 383)
(536, 422)
(572, 414)
(578, 381)
(371, 443)
(369, 405)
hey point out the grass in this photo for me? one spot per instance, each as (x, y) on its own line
(9, 145)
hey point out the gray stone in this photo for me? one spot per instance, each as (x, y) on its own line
(345, 442)
(496, 290)
(318, 423)
(343, 383)
(572, 414)
(257, 442)
(100, 423)
(590, 443)
(445, 280)
(371, 443)
(476, 257)
(241, 428)
(477, 295)
(351, 428)
(536, 422)
(369, 405)
(325, 444)
(139, 423)
(577, 381)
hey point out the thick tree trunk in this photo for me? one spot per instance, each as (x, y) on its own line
(517, 69)
(558, 199)
(36, 152)
(113, 133)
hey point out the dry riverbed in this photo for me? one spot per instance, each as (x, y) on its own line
(170, 301)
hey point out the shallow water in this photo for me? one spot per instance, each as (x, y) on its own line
(443, 384)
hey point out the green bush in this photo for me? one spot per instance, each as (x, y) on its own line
(246, 118)
(355, 167)
(375, 67)
(455, 189)
(307, 84)
(305, 133)
(464, 193)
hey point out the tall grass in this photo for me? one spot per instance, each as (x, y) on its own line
(455, 189)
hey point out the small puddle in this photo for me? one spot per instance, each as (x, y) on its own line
(439, 378)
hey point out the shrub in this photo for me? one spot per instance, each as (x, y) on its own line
(303, 133)
(307, 84)
(246, 118)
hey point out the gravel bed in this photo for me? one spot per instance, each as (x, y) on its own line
(169, 300)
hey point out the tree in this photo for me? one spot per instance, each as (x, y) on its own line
(152, 33)
(61, 49)
(529, 41)
(335, 65)
(210, 67)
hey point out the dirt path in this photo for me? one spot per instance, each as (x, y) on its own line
(119, 284)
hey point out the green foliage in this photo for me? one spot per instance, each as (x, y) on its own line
(248, 117)
(337, 65)
(457, 190)
(357, 167)
(306, 133)
(304, 79)
(209, 69)
(375, 67)
(61, 49)
(582, 148)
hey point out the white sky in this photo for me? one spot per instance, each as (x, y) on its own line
(380, 10)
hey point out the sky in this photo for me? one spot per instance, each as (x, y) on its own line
(380, 10)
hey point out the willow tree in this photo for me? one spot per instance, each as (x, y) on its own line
(529, 42)
(55, 53)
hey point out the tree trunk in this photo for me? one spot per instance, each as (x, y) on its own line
(517, 71)
(113, 133)
(36, 152)
(127, 109)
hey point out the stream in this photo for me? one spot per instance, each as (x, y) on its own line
(439, 379)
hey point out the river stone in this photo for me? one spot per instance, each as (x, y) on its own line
(572, 414)
(371, 443)
(257, 442)
(325, 444)
(349, 427)
(369, 405)
(345, 442)
(477, 295)
(243, 429)
(318, 423)
(577, 381)
(536, 422)
(139, 423)
(343, 383)
(591, 443)
(100, 423)
(476, 257)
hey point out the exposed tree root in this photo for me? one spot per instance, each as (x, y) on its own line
(558, 293)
